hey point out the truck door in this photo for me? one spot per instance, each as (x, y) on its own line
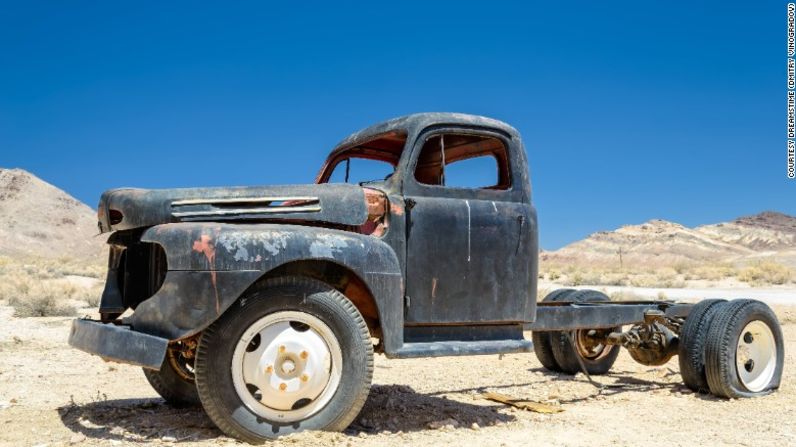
(469, 230)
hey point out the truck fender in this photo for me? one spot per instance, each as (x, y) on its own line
(210, 265)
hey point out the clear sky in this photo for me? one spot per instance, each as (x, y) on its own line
(629, 110)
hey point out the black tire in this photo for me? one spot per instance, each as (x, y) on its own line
(728, 328)
(214, 358)
(691, 348)
(567, 357)
(177, 389)
(542, 344)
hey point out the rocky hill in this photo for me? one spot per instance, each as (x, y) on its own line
(769, 235)
(39, 220)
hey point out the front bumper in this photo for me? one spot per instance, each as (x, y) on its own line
(118, 343)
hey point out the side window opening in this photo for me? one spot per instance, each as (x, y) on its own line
(463, 161)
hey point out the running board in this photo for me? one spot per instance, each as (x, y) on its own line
(455, 348)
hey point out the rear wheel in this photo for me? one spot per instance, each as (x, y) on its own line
(293, 355)
(175, 382)
(744, 353)
(691, 347)
(590, 347)
(542, 344)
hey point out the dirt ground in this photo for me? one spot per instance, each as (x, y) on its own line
(53, 395)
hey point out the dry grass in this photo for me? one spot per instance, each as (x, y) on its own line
(42, 288)
(676, 276)
(41, 303)
(51, 268)
(626, 296)
(665, 277)
(765, 273)
(713, 272)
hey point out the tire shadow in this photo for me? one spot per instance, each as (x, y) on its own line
(391, 408)
(619, 382)
(138, 420)
(395, 408)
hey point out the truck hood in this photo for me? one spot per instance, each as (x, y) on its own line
(128, 208)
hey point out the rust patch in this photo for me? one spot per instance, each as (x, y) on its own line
(376, 224)
(376, 202)
(356, 291)
(396, 209)
(207, 247)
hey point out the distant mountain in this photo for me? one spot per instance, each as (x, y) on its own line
(39, 220)
(769, 235)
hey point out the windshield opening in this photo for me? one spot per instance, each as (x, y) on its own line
(372, 161)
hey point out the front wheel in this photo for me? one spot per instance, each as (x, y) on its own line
(293, 355)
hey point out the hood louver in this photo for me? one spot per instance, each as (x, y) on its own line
(243, 206)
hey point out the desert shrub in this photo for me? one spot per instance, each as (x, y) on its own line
(91, 270)
(554, 275)
(51, 268)
(40, 301)
(37, 287)
(90, 295)
(581, 277)
(712, 272)
(14, 286)
(572, 279)
(643, 280)
(765, 272)
(625, 296)
(613, 279)
(665, 277)
(682, 267)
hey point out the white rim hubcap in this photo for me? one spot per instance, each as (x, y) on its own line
(756, 356)
(287, 366)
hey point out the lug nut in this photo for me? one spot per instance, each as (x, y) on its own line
(304, 355)
(282, 386)
(282, 348)
(269, 369)
(305, 377)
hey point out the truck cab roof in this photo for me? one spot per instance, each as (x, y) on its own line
(417, 122)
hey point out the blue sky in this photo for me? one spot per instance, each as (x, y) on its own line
(629, 110)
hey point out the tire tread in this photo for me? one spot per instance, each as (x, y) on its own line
(564, 353)
(720, 349)
(693, 336)
(542, 341)
(209, 398)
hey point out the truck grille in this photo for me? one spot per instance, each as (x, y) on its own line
(142, 269)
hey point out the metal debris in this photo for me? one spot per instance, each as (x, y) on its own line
(529, 405)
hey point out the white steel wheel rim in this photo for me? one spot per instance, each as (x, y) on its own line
(756, 356)
(287, 366)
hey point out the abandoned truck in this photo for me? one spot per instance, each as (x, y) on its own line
(266, 304)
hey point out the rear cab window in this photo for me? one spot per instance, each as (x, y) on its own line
(464, 161)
